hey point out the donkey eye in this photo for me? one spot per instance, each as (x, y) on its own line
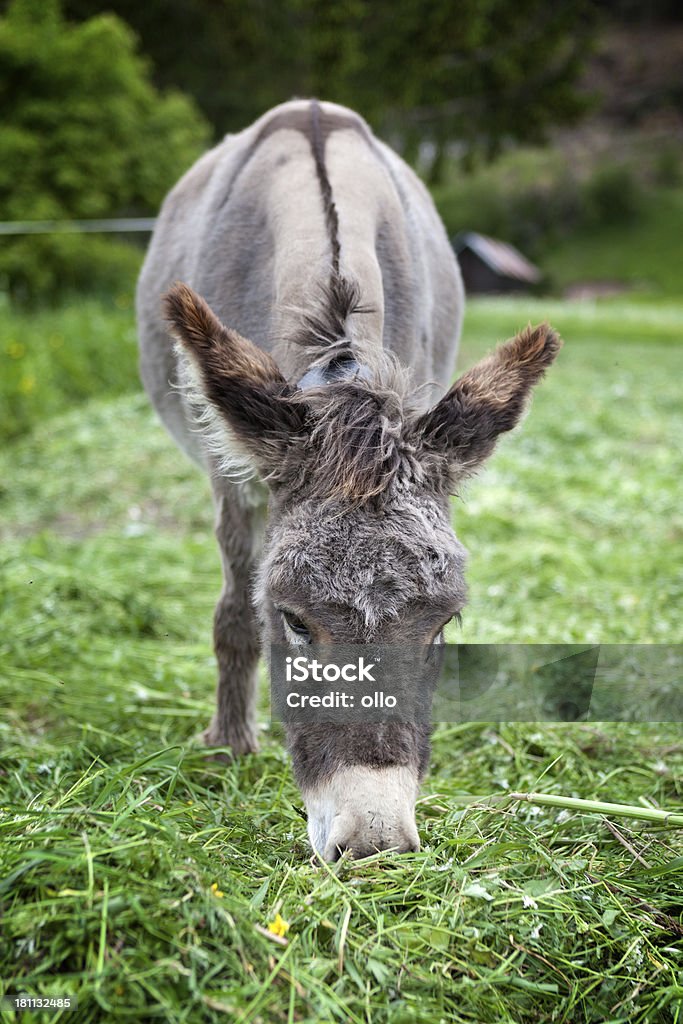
(297, 626)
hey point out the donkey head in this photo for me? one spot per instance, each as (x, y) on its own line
(359, 546)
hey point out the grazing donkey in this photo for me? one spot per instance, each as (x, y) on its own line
(331, 299)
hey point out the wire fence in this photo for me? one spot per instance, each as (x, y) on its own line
(122, 225)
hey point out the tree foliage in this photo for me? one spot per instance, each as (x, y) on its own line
(92, 128)
(85, 131)
(477, 72)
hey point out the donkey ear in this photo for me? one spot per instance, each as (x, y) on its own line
(236, 380)
(488, 400)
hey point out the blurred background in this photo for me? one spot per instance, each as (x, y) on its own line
(551, 138)
(555, 129)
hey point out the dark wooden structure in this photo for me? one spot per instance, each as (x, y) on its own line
(491, 266)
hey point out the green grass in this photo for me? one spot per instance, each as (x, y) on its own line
(56, 358)
(115, 825)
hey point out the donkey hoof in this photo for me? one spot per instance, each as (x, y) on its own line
(243, 742)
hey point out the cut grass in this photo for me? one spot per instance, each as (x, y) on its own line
(114, 826)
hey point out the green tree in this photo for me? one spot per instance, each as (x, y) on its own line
(85, 134)
(477, 72)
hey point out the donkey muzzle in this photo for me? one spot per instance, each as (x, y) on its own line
(363, 810)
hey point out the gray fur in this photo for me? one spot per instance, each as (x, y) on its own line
(308, 236)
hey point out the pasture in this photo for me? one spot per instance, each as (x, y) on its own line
(155, 883)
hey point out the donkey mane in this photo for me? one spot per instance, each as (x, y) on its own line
(358, 424)
(357, 437)
(324, 329)
(361, 446)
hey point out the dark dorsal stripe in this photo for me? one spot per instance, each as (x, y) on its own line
(316, 124)
(318, 141)
(325, 325)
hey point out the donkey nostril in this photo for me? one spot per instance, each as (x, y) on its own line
(360, 849)
(409, 844)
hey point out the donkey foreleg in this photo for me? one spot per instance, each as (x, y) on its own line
(235, 628)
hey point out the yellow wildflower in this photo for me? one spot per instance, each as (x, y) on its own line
(278, 926)
(15, 350)
(216, 891)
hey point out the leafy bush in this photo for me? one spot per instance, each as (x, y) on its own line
(611, 196)
(536, 200)
(85, 134)
(526, 213)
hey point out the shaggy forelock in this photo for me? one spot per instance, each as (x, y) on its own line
(374, 562)
(360, 447)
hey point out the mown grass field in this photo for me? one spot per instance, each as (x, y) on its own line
(142, 876)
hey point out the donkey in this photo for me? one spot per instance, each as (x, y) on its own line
(331, 303)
